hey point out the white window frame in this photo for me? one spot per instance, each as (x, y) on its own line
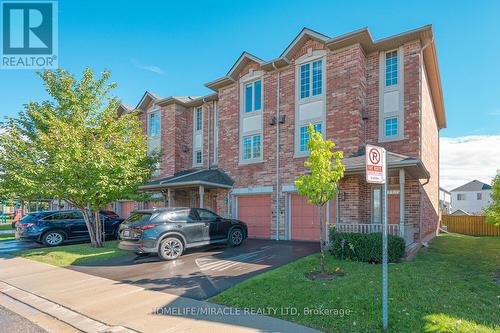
(197, 132)
(310, 63)
(383, 89)
(310, 57)
(252, 158)
(157, 116)
(251, 77)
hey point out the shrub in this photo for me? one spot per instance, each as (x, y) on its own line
(365, 247)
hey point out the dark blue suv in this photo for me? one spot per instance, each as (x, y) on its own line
(52, 228)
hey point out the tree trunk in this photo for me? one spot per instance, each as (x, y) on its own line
(322, 256)
(99, 229)
(90, 228)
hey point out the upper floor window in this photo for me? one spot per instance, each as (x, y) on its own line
(460, 196)
(198, 157)
(198, 121)
(154, 123)
(252, 147)
(479, 196)
(311, 81)
(391, 126)
(304, 136)
(253, 96)
(391, 68)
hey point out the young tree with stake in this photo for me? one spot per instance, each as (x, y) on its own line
(321, 184)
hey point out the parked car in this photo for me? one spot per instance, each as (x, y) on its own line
(52, 228)
(169, 231)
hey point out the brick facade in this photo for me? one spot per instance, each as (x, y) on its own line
(352, 120)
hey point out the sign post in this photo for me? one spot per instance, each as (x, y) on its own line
(376, 173)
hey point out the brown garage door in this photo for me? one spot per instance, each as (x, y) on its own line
(255, 211)
(304, 219)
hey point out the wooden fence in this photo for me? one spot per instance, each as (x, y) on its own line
(469, 225)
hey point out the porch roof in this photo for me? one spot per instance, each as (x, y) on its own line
(414, 166)
(191, 178)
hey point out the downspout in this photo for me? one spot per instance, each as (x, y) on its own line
(421, 224)
(278, 215)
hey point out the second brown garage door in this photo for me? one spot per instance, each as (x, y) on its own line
(255, 211)
(304, 219)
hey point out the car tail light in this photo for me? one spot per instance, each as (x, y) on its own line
(146, 227)
(26, 225)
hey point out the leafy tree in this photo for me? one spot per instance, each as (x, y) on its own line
(321, 184)
(493, 211)
(75, 147)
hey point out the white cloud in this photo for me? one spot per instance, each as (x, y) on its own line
(467, 158)
(149, 68)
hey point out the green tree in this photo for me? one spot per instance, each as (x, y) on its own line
(321, 184)
(75, 147)
(493, 211)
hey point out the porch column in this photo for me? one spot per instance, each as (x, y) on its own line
(402, 202)
(202, 192)
(169, 197)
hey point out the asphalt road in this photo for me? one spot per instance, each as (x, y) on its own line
(203, 272)
(11, 322)
(7, 246)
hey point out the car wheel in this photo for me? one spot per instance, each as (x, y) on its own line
(170, 248)
(235, 237)
(116, 233)
(53, 238)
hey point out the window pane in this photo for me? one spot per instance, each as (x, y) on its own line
(247, 148)
(248, 98)
(391, 127)
(304, 80)
(317, 77)
(258, 95)
(304, 137)
(151, 124)
(256, 146)
(198, 157)
(391, 68)
(199, 119)
(157, 123)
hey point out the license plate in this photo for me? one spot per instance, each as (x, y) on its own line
(126, 233)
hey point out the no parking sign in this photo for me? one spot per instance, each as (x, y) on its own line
(375, 164)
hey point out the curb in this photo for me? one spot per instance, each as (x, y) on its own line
(59, 312)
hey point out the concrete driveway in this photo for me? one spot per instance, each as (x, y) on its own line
(203, 272)
(13, 245)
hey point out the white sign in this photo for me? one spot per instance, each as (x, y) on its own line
(375, 165)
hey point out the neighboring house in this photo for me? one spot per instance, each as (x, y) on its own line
(459, 212)
(472, 197)
(239, 150)
(444, 201)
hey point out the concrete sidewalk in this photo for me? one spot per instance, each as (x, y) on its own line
(94, 304)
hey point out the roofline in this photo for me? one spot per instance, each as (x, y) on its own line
(146, 94)
(193, 102)
(396, 164)
(177, 184)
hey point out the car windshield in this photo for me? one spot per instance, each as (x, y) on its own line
(138, 218)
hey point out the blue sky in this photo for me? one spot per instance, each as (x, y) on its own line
(173, 48)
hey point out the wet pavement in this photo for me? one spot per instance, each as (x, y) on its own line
(203, 272)
(13, 245)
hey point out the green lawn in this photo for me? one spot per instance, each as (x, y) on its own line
(6, 226)
(449, 287)
(73, 254)
(4, 237)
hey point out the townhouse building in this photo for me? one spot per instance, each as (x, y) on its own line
(239, 149)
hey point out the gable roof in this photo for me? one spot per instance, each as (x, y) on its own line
(474, 185)
(363, 38)
(124, 108)
(146, 98)
(460, 212)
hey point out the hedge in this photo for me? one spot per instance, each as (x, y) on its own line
(365, 247)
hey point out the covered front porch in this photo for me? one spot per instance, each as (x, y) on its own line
(202, 188)
(360, 205)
